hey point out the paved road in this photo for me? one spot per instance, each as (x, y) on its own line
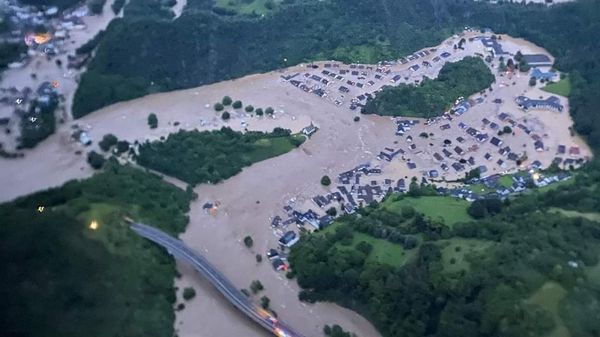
(182, 252)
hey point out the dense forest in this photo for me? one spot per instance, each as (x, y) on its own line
(211, 156)
(433, 96)
(38, 122)
(518, 273)
(60, 277)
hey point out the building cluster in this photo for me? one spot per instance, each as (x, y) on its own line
(26, 20)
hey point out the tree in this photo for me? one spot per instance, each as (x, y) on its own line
(95, 160)
(248, 241)
(507, 129)
(225, 116)
(96, 6)
(477, 209)
(249, 108)
(424, 135)
(237, 104)
(356, 118)
(226, 101)
(189, 293)
(269, 111)
(219, 107)
(264, 302)
(259, 112)
(332, 211)
(473, 174)
(325, 181)
(152, 121)
(408, 212)
(108, 141)
(256, 286)
(532, 81)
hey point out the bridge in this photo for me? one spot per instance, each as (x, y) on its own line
(181, 251)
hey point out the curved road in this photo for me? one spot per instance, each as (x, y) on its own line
(182, 252)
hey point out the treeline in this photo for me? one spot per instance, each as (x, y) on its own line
(11, 52)
(72, 280)
(486, 295)
(211, 156)
(432, 96)
(213, 48)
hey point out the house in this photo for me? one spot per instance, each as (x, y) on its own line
(289, 239)
(496, 141)
(537, 60)
(492, 45)
(541, 75)
(309, 130)
(550, 103)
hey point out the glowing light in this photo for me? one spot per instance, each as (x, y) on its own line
(536, 176)
(40, 209)
(55, 84)
(93, 225)
(41, 38)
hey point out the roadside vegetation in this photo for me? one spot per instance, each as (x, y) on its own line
(432, 97)
(106, 281)
(212, 156)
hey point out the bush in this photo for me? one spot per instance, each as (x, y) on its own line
(325, 181)
(109, 140)
(248, 241)
(152, 121)
(249, 108)
(226, 100)
(219, 107)
(264, 302)
(95, 160)
(237, 104)
(122, 146)
(256, 286)
(259, 112)
(225, 116)
(332, 211)
(117, 6)
(507, 129)
(189, 293)
(356, 118)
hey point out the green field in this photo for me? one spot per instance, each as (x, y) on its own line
(272, 147)
(248, 6)
(383, 250)
(562, 87)
(549, 297)
(455, 250)
(450, 210)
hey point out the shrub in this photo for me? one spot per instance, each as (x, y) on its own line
(269, 111)
(189, 293)
(95, 160)
(248, 241)
(259, 112)
(108, 141)
(152, 121)
(325, 181)
(219, 107)
(122, 146)
(237, 104)
(256, 286)
(225, 116)
(264, 302)
(332, 211)
(226, 100)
